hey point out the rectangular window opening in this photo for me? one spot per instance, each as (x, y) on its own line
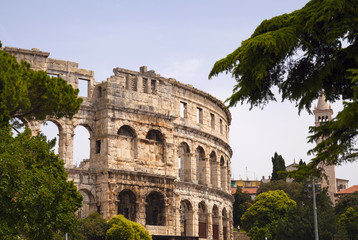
(199, 115)
(52, 75)
(98, 146)
(212, 120)
(153, 86)
(183, 110)
(145, 85)
(83, 87)
(221, 126)
(134, 84)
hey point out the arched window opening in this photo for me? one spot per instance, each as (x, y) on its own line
(155, 135)
(186, 218)
(184, 165)
(127, 204)
(81, 146)
(225, 224)
(213, 170)
(200, 165)
(88, 204)
(127, 143)
(215, 221)
(155, 209)
(155, 147)
(223, 173)
(51, 131)
(203, 220)
(126, 131)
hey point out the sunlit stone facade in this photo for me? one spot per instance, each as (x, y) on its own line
(159, 149)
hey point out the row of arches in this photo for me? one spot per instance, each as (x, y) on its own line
(204, 167)
(192, 166)
(193, 222)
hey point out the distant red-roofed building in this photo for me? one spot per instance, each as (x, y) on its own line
(252, 191)
(345, 192)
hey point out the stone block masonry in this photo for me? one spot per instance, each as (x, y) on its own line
(159, 149)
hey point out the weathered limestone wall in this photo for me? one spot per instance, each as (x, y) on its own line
(159, 151)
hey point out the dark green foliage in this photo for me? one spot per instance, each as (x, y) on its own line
(93, 227)
(263, 215)
(241, 204)
(25, 93)
(294, 190)
(124, 229)
(278, 164)
(345, 202)
(349, 222)
(298, 223)
(36, 199)
(302, 53)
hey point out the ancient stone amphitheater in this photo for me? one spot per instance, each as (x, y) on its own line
(159, 151)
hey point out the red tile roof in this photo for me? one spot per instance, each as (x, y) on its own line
(349, 190)
(251, 191)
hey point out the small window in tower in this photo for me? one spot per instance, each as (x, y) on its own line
(153, 86)
(212, 120)
(134, 84)
(183, 110)
(199, 115)
(145, 85)
(98, 146)
(83, 87)
(221, 126)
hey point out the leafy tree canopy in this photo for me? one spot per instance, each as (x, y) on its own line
(264, 213)
(294, 190)
(302, 53)
(241, 204)
(345, 202)
(122, 228)
(93, 227)
(29, 94)
(349, 221)
(36, 199)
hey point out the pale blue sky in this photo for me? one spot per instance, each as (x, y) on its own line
(179, 39)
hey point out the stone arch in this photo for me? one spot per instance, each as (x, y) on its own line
(186, 218)
(184, 162)
(127, 204)
(200, 165)
(213, 170)
(215, 221)
(155, 135)
(203, 220)
(155, 209)
(88, 204)
(81, 145)
(52, 128)
(127, 142)
(155, 145)
(225, 223)
(223, 173)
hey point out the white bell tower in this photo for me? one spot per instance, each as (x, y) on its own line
(323, 113)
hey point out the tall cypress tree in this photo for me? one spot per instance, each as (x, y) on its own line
(278, 164)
